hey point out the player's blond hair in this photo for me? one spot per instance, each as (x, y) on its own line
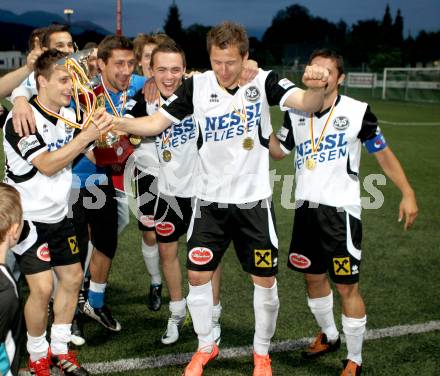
(228, 34)
(10, 209)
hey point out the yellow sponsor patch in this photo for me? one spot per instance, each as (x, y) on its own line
(73, 244)
(341, 265)
(263, 258)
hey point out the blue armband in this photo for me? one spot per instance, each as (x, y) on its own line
(377, 143)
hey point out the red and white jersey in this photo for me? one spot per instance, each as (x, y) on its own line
(234, 136)
(334, 178)
(44, 198)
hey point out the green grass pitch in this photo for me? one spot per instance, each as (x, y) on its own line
(399, 279)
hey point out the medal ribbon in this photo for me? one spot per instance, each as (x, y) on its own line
(80, 80)
(110, 102)
(167, 132)
(58, 116)
(315, 147)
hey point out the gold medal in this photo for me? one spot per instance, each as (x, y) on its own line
(135, 140)
(248, 143)
(166, 155)
(310, 164)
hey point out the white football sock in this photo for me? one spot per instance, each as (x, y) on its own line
(216, 312)
(178, 308)
(151, 259)
(266, 306)
(60, 336)
(200, 304)
(322, 309)
(37, 346)
(354, 330)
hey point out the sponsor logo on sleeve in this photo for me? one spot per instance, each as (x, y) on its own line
(165, 228)
(252, 94)
(200, 255)
(27, 143)
(263, 258)
(285, 83)
(73, 245)
(341, 122)
(43, 252)
(341, 265)
(299, 261)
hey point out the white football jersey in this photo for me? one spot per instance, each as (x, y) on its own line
(235, 128)
(178, 158)
(145, 154)
(334, 178)
(44, 198)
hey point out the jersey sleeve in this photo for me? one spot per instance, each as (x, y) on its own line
(285, 135)
(370, 134)
(28, 147)
(136, 106)
(180, 104)
(277, 90)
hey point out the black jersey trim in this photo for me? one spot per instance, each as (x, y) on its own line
(326, 111)
(21, 178)
(352, 174)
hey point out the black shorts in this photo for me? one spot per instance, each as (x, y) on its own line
(56, 245)
(146, 196)
(326, 239)
(96, 209)
(251, 227)
(171, 217)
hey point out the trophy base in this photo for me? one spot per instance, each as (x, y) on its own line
(114, 154)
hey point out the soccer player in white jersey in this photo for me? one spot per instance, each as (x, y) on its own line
(327, 229)
(176, 150)
(233, 192)
(39, 167)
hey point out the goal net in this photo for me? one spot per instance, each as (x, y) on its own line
(411, 84)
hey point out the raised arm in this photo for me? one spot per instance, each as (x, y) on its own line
(13, 79)
(310, 100)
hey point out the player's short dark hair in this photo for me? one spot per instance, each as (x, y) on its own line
(52, 29)
(36, 33)
(10, 209)
(332, 55)
(45, 64)
(228, 34)
(113, 42)
(169, 47)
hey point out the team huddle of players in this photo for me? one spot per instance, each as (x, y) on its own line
(201, 167)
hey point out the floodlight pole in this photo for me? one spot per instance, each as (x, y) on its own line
(119, 17)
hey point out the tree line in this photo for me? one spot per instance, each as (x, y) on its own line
(295, 33)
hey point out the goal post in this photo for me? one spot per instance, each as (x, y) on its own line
(411, 84)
